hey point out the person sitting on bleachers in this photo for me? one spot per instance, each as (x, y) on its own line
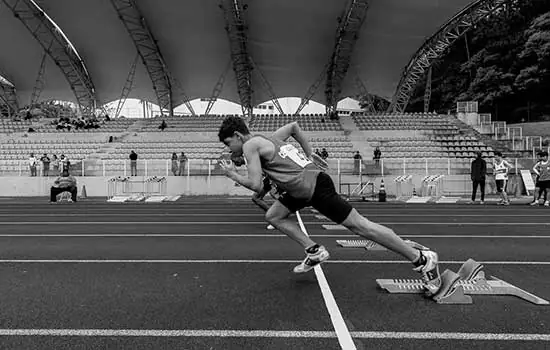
(324, 153)
(64, 183)
(162, 126)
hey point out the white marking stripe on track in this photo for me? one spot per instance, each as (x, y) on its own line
(344, 337)
(212, 261)
(251, 213)
(270, 334)
(167, 223)
(229, 235)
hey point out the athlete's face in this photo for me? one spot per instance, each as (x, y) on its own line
(235, 144)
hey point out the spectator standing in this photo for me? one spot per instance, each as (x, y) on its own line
(357, 162)
(377, 156)
(478, 173)
(175, 164)
(55, 165)
(32, 164)
(45, 165)
(133, 163)
(183, 162)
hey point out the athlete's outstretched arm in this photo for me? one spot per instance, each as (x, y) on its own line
(254, 179)
(293, 130)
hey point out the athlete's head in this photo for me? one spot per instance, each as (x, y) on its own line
(543, 156)
(498, 156)
(234, 133)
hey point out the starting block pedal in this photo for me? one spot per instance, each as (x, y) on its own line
(457, 287)
(370, 245)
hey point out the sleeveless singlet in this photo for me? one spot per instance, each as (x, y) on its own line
(501, 171)
(291, 170)
(544, 170)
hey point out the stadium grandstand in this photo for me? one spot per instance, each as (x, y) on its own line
(70, 99)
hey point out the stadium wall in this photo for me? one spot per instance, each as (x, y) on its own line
(453, 185)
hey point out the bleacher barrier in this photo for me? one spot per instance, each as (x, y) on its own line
(403, 187)
(136, 189)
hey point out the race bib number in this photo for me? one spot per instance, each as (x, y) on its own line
(292, 153)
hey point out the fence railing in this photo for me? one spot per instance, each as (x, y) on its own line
(210, 167)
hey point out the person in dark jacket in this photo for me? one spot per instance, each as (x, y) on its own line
(478, 173)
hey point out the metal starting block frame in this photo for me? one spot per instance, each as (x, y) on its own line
(457, 287)
(373, 246)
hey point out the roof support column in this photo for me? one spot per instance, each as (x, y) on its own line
(346, 37)
(237, 28)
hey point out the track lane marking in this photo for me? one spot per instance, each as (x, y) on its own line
(340, 327)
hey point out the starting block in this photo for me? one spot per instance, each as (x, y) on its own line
(373, 246)
(470, 280)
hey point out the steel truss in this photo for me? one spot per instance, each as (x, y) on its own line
(9, 104)
(268, 87)
(149, 51)
(237, 28)
(127, 88)
(364, 92)
(346, 37)
(58, 47)
(217, 89)
(311, 91)
(428, 91)
(436, 46)
(39, 84)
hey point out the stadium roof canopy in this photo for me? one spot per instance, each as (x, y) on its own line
(289, 41)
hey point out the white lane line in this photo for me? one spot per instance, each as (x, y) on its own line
(344, 337)
(242, 214)
(334, 227)
(247, 261)
(254, 235)
(226, 333)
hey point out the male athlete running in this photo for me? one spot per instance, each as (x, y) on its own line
(304, 184)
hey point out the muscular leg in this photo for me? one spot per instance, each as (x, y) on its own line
(383, 235)
(278, 216)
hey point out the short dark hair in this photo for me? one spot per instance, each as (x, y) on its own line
(543, 154)
(230, 125)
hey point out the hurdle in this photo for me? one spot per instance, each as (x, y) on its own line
(432, 186)
(360, 191)
(404, 187)
(131, 189)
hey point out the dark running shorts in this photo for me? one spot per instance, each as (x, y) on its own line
(501, 185)
(544, 185)
(325, 199)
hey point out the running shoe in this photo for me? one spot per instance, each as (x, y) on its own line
(312, 260)
(547, 204)
(430, 272)
(535, 203)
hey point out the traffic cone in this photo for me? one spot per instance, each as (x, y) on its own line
(83, 193)
(414, 191)
(382, 192)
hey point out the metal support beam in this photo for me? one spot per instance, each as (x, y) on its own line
(437, 45)
(428, 91)
(346, 37)
(9, 106)
(39, 84)
(237, 28)
(60, 50)
(149, 51)
(217, 89)
(312, 90)
(364, 92)
(127, 88)
(268, 87)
